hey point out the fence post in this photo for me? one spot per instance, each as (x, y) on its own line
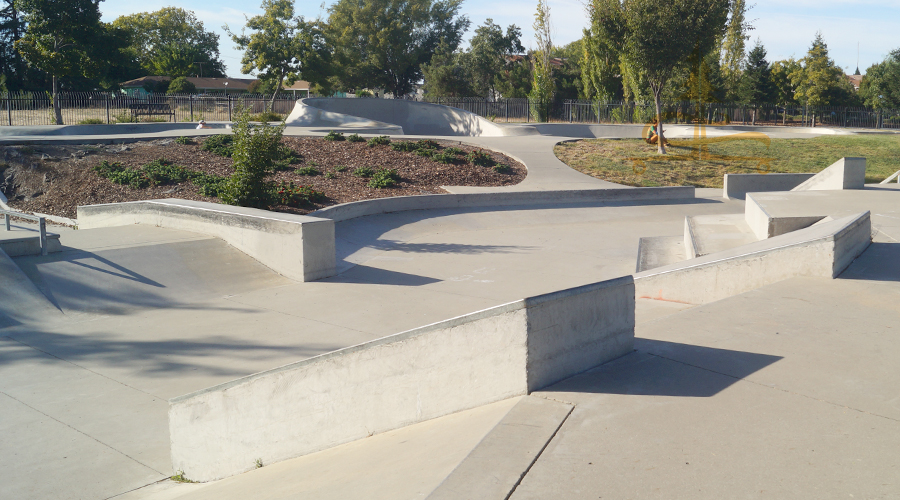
(106, 100)
(229, 108)
(8, 111)
(507, 111)
(191, 97)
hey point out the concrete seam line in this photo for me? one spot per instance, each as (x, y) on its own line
(389, 339)
(82, 433)
(539, 453)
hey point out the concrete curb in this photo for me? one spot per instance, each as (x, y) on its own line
(363, 208)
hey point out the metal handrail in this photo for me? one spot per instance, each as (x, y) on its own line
(895, 175)
(42, 223)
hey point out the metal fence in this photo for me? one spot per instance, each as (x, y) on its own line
(583, 111)
(36, 108)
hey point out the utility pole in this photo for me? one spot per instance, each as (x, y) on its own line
(200, 63)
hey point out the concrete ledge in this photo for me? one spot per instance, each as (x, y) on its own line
(846, 173)
(298, 247)
(401, 379)
(29, 245)
(822, 250)
(363, 208)
(738, 185)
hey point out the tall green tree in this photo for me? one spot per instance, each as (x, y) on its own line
(601, 65)
(385, 43)
(62, 40)
(756, 82)
(282, 47)
(734, 48)
(172, 42)
(448, 74)
(490, 50)
(542, 85)
(12, 65)
(880, 87)
(659, 36)
(819, 81)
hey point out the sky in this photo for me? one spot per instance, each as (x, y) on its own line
(786, 28)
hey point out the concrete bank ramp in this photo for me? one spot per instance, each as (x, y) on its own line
(390, 116)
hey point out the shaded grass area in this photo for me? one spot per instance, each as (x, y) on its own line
(635, 163)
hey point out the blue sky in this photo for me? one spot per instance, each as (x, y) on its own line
(785, 27)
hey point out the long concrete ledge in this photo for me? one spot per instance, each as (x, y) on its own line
(825, 249)
(738, 185)
(428, 372)
(499, 199)
(298, 247)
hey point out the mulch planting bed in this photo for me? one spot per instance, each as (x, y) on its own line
(56, 179)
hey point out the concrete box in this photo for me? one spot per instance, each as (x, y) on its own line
(428, 372)
(737, 186)
(296, 246)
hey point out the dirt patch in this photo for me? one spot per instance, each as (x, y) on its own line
(56, 179)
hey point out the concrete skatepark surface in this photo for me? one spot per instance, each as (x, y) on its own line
(785, 391)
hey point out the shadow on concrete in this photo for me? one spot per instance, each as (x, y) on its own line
(206, 356)
(880, 262)
(659, 368)
(450, 248)
(365, 275)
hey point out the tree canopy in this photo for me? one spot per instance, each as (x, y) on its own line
(283, 48)
(172, 42)
(818, 81)
(756, 82)
(880, 88)
(385, 43)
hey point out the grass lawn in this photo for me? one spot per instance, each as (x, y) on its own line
(635, 163)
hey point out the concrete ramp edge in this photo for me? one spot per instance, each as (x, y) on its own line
(490, 355)
(822, 250)
(363, 208)
(295, 246)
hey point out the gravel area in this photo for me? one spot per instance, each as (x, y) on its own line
(56, 179)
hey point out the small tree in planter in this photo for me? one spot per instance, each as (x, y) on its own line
(256, 150)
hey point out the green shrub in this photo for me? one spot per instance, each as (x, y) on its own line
(286, 158)
(330, 175)
(454, 151)
(161, 172)
(183, 140)
(334, 136)
(427, 144)
(381, 140)
(384, 178)
(363, 172)
(256, 149)
(446, 158)
(91, 121)
(126, 117)
(427, 153)
(502, 168)
(307, 171)
(407, 146)
(340, 168)
(480, 158)
(120, 174)
(296, 196)
(210, 185)
(181, 85)
(220, 144)
(267, 116)
(356, 138)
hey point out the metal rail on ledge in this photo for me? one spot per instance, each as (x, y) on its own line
(7, 214)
